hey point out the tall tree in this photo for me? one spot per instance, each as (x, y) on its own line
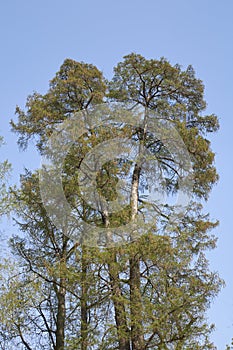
(152, 293)
(177, 96)
(44, 251)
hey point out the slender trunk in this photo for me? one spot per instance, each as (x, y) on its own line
(137, 338)
(61, 315)
(84, 309)
(136, 309)
(61, 298)
(119, 307)
(117, 296)
(27, 346)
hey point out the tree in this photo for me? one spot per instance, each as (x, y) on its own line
(175, 95)
(153, 292)
(50, 277)
(77, 85)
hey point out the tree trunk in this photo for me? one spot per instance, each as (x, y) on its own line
(84, 301)
(119, 307)
(136, 310)
(117, 296)
(137, 338)
(61, 298)
(61, 315)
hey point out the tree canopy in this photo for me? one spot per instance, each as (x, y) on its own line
(152, 293)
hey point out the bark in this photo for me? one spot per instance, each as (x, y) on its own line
(84, 309)
(119, 307)
(61, 316)
(61, 298)
(136, 310)
(137, 338)
(117, 296)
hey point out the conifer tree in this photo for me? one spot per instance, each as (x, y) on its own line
(152, 293)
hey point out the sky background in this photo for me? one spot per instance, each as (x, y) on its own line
(36, 37)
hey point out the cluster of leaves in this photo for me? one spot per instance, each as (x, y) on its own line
(5, 169)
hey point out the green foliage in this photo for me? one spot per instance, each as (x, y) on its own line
(76, 86)
(156, 84)
(150, 294)
(174, 95)
(5, 169)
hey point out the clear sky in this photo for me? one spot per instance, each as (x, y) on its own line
(36, 36)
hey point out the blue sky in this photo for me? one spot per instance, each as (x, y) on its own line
(36, 36)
